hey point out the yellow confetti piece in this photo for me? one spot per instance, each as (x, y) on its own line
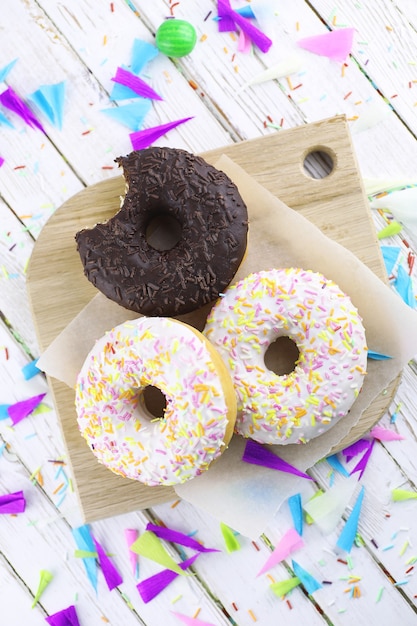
(232, 544)
(149, 546)
(45, 579)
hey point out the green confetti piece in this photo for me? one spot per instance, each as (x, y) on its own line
(283, 587)
(393, 228)
(45, 579)
(398, 495)
(149, 546)
(85, 554)
(230, 539)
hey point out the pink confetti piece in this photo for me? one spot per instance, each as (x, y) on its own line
(152, 586)
(257, 454)
(136, 84)
(110, 573)
(11, 100)
(66, 617)
(131, 534)
(336, 44)
(363, 462)
(385, 434)
(244, 44)
(307, 580)
(17, 412)
(177, 537)
(258, 37)
(12, 503)
(1, 161)
(355, 448)
(348, 534)
(191, 621)
(144, 138)
(289, 543)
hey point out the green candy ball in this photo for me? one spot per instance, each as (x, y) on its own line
(176, 38)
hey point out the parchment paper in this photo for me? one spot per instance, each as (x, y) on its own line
(245, 496)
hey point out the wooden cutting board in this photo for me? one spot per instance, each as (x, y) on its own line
(58, 290)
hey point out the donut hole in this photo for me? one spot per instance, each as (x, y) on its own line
(163, 232)
(281, 356)
(153, 401)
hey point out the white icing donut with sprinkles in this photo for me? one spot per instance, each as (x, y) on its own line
(328, 373)
(200, 401)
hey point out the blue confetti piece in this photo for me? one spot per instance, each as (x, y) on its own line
(390, 255)
(130, 115)
(4, 72)
(404, 287)
(348, 534)
(294, 502)
(5, 121)
(4, 413)
(245, 11)
(377, 356)
(334, 462)
(85, 542)
(142, 53)
(50, 101)
(307, 580)
(30, 370)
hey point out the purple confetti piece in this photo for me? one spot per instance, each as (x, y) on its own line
(176, 537)
(110, 573)
(256, 454)
(1, 161)
(226, 23)
(362, 463)
(11, 100)
(66, 617)
(152, 586)
(136, 84)
(12, 503)
(144, 138)
(258, 37)
(22, 409)
(355, 448)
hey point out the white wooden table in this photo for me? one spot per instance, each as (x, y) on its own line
(82, 43)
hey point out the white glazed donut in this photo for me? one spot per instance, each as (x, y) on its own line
(328, 373)
(200, 410)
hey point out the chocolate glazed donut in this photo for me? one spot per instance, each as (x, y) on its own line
(176, 188)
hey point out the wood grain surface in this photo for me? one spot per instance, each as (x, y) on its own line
(58, 289)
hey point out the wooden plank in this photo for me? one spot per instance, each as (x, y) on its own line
(273, 161)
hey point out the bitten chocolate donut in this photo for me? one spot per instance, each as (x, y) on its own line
(175, 187)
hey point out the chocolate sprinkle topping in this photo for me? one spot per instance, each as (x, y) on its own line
(168, 184)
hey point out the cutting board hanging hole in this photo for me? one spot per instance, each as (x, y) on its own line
(319, 162)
